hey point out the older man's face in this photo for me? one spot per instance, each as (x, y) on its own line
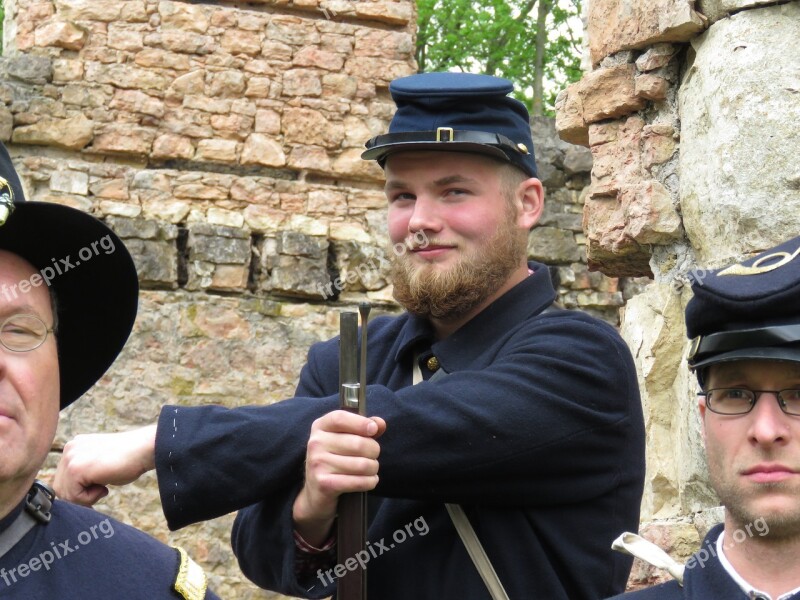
(29, 383)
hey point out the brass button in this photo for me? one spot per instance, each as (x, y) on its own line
(433, 363)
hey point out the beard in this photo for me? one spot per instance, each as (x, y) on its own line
(448, 295)
(784, 524)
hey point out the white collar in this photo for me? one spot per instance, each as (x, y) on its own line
(748, 589)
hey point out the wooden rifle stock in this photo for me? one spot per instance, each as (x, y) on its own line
(352, 510)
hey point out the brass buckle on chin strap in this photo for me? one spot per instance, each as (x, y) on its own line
(446, 130)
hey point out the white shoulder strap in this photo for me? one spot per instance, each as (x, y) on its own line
(476, 552)
(635, 545)
(464, 527)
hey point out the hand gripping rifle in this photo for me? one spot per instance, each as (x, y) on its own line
(352, 509)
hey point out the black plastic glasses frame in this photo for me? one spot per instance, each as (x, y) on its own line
(753, 397)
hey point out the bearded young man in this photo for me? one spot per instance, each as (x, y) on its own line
(536, 430)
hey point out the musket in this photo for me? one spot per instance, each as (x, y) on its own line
(352, 509)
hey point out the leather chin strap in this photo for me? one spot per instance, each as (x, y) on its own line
(38, 503)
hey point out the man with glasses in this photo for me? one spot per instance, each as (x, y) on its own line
(744, 322)
(50, 548)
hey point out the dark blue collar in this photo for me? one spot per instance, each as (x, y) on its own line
(459, 350)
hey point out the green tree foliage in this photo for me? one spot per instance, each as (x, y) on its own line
(534, 43)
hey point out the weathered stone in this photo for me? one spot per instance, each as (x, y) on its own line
(395, 13)
(302, 82)
(241, 42)
(553, 245)
(609, 93)
(168, 146)
(298, 276)
(121, 139)
(650, 87)
(293, 243)
(162, 59)
(226, 84)
(189, 84)
(61, 34)
(736, 190)
(30, 69)
(152, 245)
(218, 245)
(6, 124)
(714, 10)
(216, 150)
(268, 121)
(136, 101)
(73, 133)
(120, 38)
(311, 158)
(360, 267)
(305, 126)
(570, 123)
(327, 202)
(656, 57)
(311, 56)
(262, 150)
(616, 25)
(654, 329)
(577, 160)
(71, 182)
(183, 16)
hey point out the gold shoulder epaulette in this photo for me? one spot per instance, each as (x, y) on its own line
(191, 582)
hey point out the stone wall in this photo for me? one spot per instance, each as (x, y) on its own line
(689, 111)
(222, 143)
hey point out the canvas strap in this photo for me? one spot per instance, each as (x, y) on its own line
(461, 522)
(635, 545)
(37, 510)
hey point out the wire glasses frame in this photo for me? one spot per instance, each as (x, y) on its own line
(23, 333)
(740, 401)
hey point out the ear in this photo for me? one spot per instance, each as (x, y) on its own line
(701, 406)
(530, 194)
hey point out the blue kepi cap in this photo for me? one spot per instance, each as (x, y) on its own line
(457, 112)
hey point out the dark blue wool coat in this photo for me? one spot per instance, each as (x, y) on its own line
(537, 431)
(83, 554)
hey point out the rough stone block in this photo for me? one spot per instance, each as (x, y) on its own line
(609, 93)
(616, 25)
(740, 111)
(553, 245)
(152, 245)
(218, 245)
(61, 34)
(360, 267)
(299, 276)
(73, 133)
(714, 10)
(293, 243)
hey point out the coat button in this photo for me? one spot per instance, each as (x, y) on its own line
(433, 364)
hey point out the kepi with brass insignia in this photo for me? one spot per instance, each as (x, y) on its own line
(749, 310)
(457, 112)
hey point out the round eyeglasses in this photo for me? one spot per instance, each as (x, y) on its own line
(23, 333)
(739, 401)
